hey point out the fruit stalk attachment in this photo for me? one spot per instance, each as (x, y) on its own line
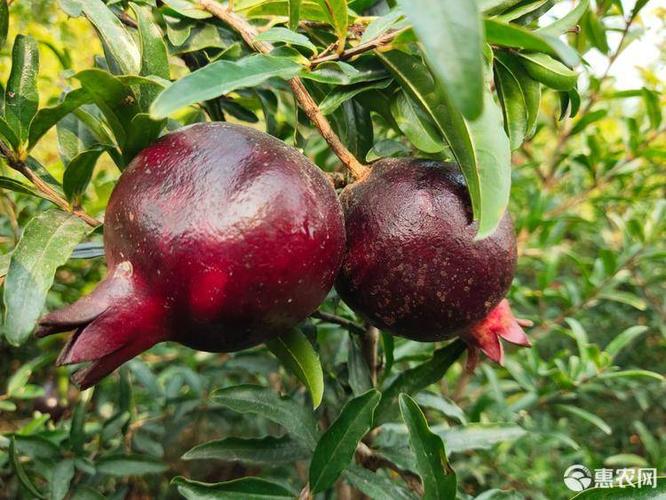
(303, 97)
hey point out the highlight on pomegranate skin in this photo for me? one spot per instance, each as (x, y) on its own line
(217, 236)
(412, 265)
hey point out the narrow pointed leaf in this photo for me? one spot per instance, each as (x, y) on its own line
(551, 72)
(336, 11)
(513, 35)
(374, 485)
(287, 36)
(266, 450)
(220, 78)
(567, 22)
(246, 488)
(336, 447)
(296, 353)
(154, 55)
(439, 480)
(4, 22)
(294, 14)
(21, 94)
(48, 117)
(21, 474)
(586, 415)
(417, 378)
(117, 41)
(416, 125)
(79, 172)
(514, 107)
(621, 341)
(450, 32)
(530, 88)
(297, 420)
(46, 244)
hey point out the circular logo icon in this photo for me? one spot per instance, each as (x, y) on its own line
(577, 477)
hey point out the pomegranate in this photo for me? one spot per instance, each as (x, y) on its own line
(413, 266)
(218, 237)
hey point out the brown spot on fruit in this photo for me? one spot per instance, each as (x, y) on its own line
(410, 234)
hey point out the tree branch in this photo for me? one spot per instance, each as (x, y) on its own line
(371, 461)
(305, 100)
(49, 193)
(369, 347)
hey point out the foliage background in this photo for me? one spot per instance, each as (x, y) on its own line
(588, 202)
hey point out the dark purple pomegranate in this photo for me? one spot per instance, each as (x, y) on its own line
(218, 237)
(412, 265)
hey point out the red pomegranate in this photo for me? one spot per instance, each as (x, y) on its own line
(413, 266)
(218, 237)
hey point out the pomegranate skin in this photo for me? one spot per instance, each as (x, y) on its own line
(412, 266)
(217, 236)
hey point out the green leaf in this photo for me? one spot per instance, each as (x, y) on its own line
(220, 78)
(513, 35)
(154, 54)
(626, 492)
(246, 488)
(616, 345)
(36, 447)
(287, 36)
(439, 480)
(375, 486)
(625, 298)
(48, 117)
(336, 447)
(632, 374)
(21, 94)
(530, 88)
(294, 14)
(61, 477)
(298, 421)
(567, 22)
(20, 471)
(19, 378)
(514, 107)
(336, 11)
(79, 172)
(551, 72)
(118, 43)
(256, 451)
(416, 125)
(492, 7)
(478, 436)
(4, 22)
(129, 465)
(115, 99)
(358, 371)
(296, 353)
(77, 435)
(46, 244)
(586, 415)
(8, 134)
(339, 96)
(17, 186)
(417, 378)
(483, 154)
(442, 404)
(142, 132)
(450, 32)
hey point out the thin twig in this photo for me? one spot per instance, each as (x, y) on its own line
(305, 100)
(339, 320)
(373, 44)
(47, 191)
